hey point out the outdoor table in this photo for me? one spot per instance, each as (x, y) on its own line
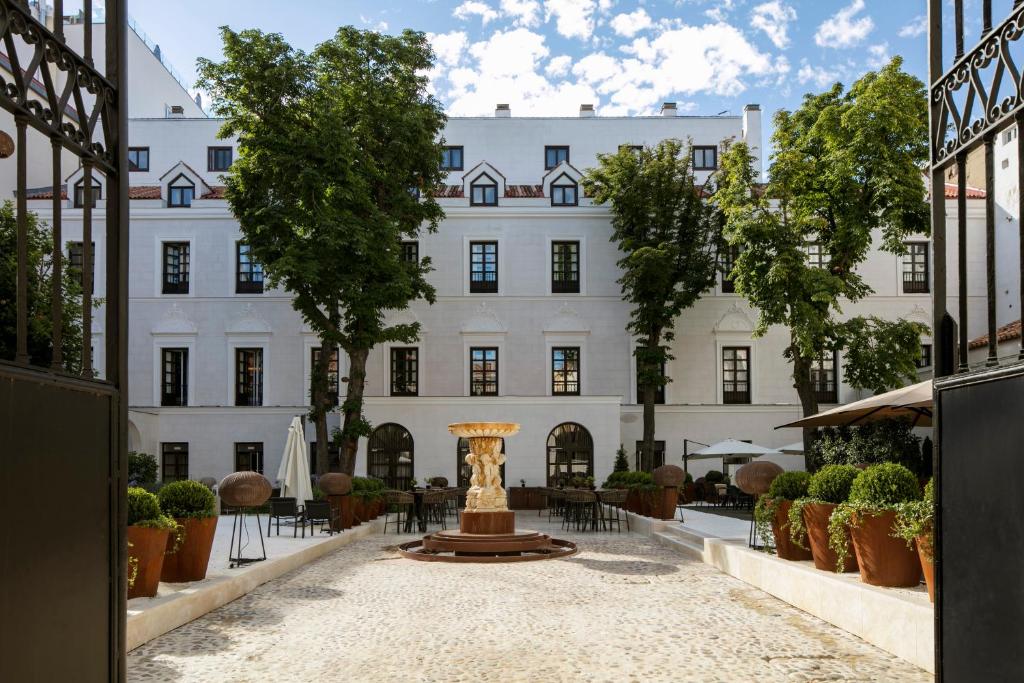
(417, 512)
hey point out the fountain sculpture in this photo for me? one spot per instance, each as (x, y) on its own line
(487, 530)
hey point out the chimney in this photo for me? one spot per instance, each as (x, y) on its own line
(752, 134)
(176, 111)
(668, 109)
(587, 111)
(502, 111)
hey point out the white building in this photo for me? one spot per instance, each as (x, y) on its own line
(529, 325)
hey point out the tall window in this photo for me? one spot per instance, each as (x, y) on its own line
(218, 158)
(451, 158)
(705, 158)
(659, 391)
(925, 360)
(138, 158)
(564, 192)
(570, 453)
(483, 191)
(76, 259)
(248, 271)
(915, 268)
(824, 378)
(410, 251)
(483, 267)
(333, 457)
(95, 191)
(249, 377)
(728, 258)
(405, 371)
(181, 192)
(554, 155)
(816, 256)
(176, 267)
(483, 371)
(332, 372)
(173, 462)
(659, 454)
(565, 370)
(736, 374)
(249, 457)
(565, 267)
(174, 377)
(391, 456)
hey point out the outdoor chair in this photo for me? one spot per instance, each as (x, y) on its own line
(286, 509)
(612, 501)
(318, 512)
(581, 510)
(401, 504)
(434, 507)
(451, 499)
(556, 502)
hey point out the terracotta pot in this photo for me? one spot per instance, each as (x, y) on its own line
(926, 554)
(646, 503)
(358, 510)
(193, 555)
(883, 560)
(784, 546)
(816, 520)
(688, 492)
(666, 500)
(147, 553)
(633, 501)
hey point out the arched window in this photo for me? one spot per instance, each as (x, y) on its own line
(564, 191)
(180, 192)
(570, 453)
(465, 471)
(483, 191)
(391, 456)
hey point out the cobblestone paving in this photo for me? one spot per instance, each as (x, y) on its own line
(624, 609)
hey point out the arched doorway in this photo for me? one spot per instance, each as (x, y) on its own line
(465, 471)
(570, 453)
(391, 456)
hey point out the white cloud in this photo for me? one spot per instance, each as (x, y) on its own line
(844, 29)
(523, 12)
(630, 24)
(918, 26)
(773, 18)
(818, 75)
(574, 18)
(449, 47)
(878, 56)
(472, 8)
(558, 66)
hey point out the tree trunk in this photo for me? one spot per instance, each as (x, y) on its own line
(649, 390)
(808, 401)
(321, 403)
(352, 409)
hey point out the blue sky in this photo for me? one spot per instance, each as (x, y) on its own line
(546, 57)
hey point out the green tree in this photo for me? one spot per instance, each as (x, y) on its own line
(40, 295)
(668, 235)
(846, 171)
(339, 150)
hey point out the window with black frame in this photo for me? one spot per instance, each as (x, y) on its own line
(249, 456)
(554, 155)
(174, 377)
(659, 391)
(570, 454)
(173, 462)
(405, 371)
(816, 255)
(659, 454)
(95, 190)
(565, 192)
(177, 262)
(925, 359)
(180, 193)
(483, 267)
(736, 374)
(915, 268)
(483, 371)
(332, 371)
(76, 260)
(565, 371)
(483, 191)
(451, 158)
(333, 457)
(248, 271)
(249, 377)
(410, 251)
(219, 158)
(565, 267)
(824, 378)
(705, 158)
(728, 257)
(138, 159)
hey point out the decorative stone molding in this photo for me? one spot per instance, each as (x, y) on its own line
(248, 321)
(735, 319)
(566, 321)
(918, 314)
(403, 317)
(174, 321)
(484, 321)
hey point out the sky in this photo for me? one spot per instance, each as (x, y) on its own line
(546, 57)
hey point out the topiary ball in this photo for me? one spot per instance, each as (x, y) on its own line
(832, 483)
(884, 485)
(789, 485)
(143, 506)
(187, 499)
(714, 477)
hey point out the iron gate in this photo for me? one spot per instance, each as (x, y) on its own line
(63, 428)
(979, 598)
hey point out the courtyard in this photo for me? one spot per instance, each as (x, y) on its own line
(623, 609)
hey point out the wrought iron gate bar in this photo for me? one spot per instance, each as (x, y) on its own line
(57, 293)
(87, 274)
(990, 243)
(961, 250)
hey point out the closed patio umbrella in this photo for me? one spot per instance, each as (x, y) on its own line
(293, 474)
(913, 402)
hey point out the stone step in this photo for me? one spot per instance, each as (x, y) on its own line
(689, 548)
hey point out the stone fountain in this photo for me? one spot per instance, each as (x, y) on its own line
(487, 530)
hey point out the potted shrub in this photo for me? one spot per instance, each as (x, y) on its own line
(148, 533)
(359, 500)
(689, 489)
(870, 515)
(772, 512)
(915, 524)
(668, 478)
(808, 517)
(194, 508)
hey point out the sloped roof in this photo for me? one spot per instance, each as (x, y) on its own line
(524, 191)
(216, 192)
(134, 192)
(1005, 333)
(951, 192)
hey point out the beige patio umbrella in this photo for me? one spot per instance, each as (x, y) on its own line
(913, 402)
(293, 474)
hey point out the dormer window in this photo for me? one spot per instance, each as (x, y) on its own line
(564, 192)
(95, 191)
(451, 158)
(483, 191)
(554, 155)
(181, 192)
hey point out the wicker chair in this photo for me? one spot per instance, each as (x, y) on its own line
(434, 507)
(612, 501)
(317, 512)
(581, 510)
(401, 503)
(556, 502)
(287, 509)
(451, 499)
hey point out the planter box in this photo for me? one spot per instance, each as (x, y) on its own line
(785, 548)
(883, 560)
(816, 517)
(147, 550)
(193, 555)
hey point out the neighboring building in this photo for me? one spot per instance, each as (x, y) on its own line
(529, 324)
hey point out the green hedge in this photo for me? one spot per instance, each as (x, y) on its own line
(187, 499)
(831, 484)
(144, 510)
(884, 485)
(789, 485)
(628, 480)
